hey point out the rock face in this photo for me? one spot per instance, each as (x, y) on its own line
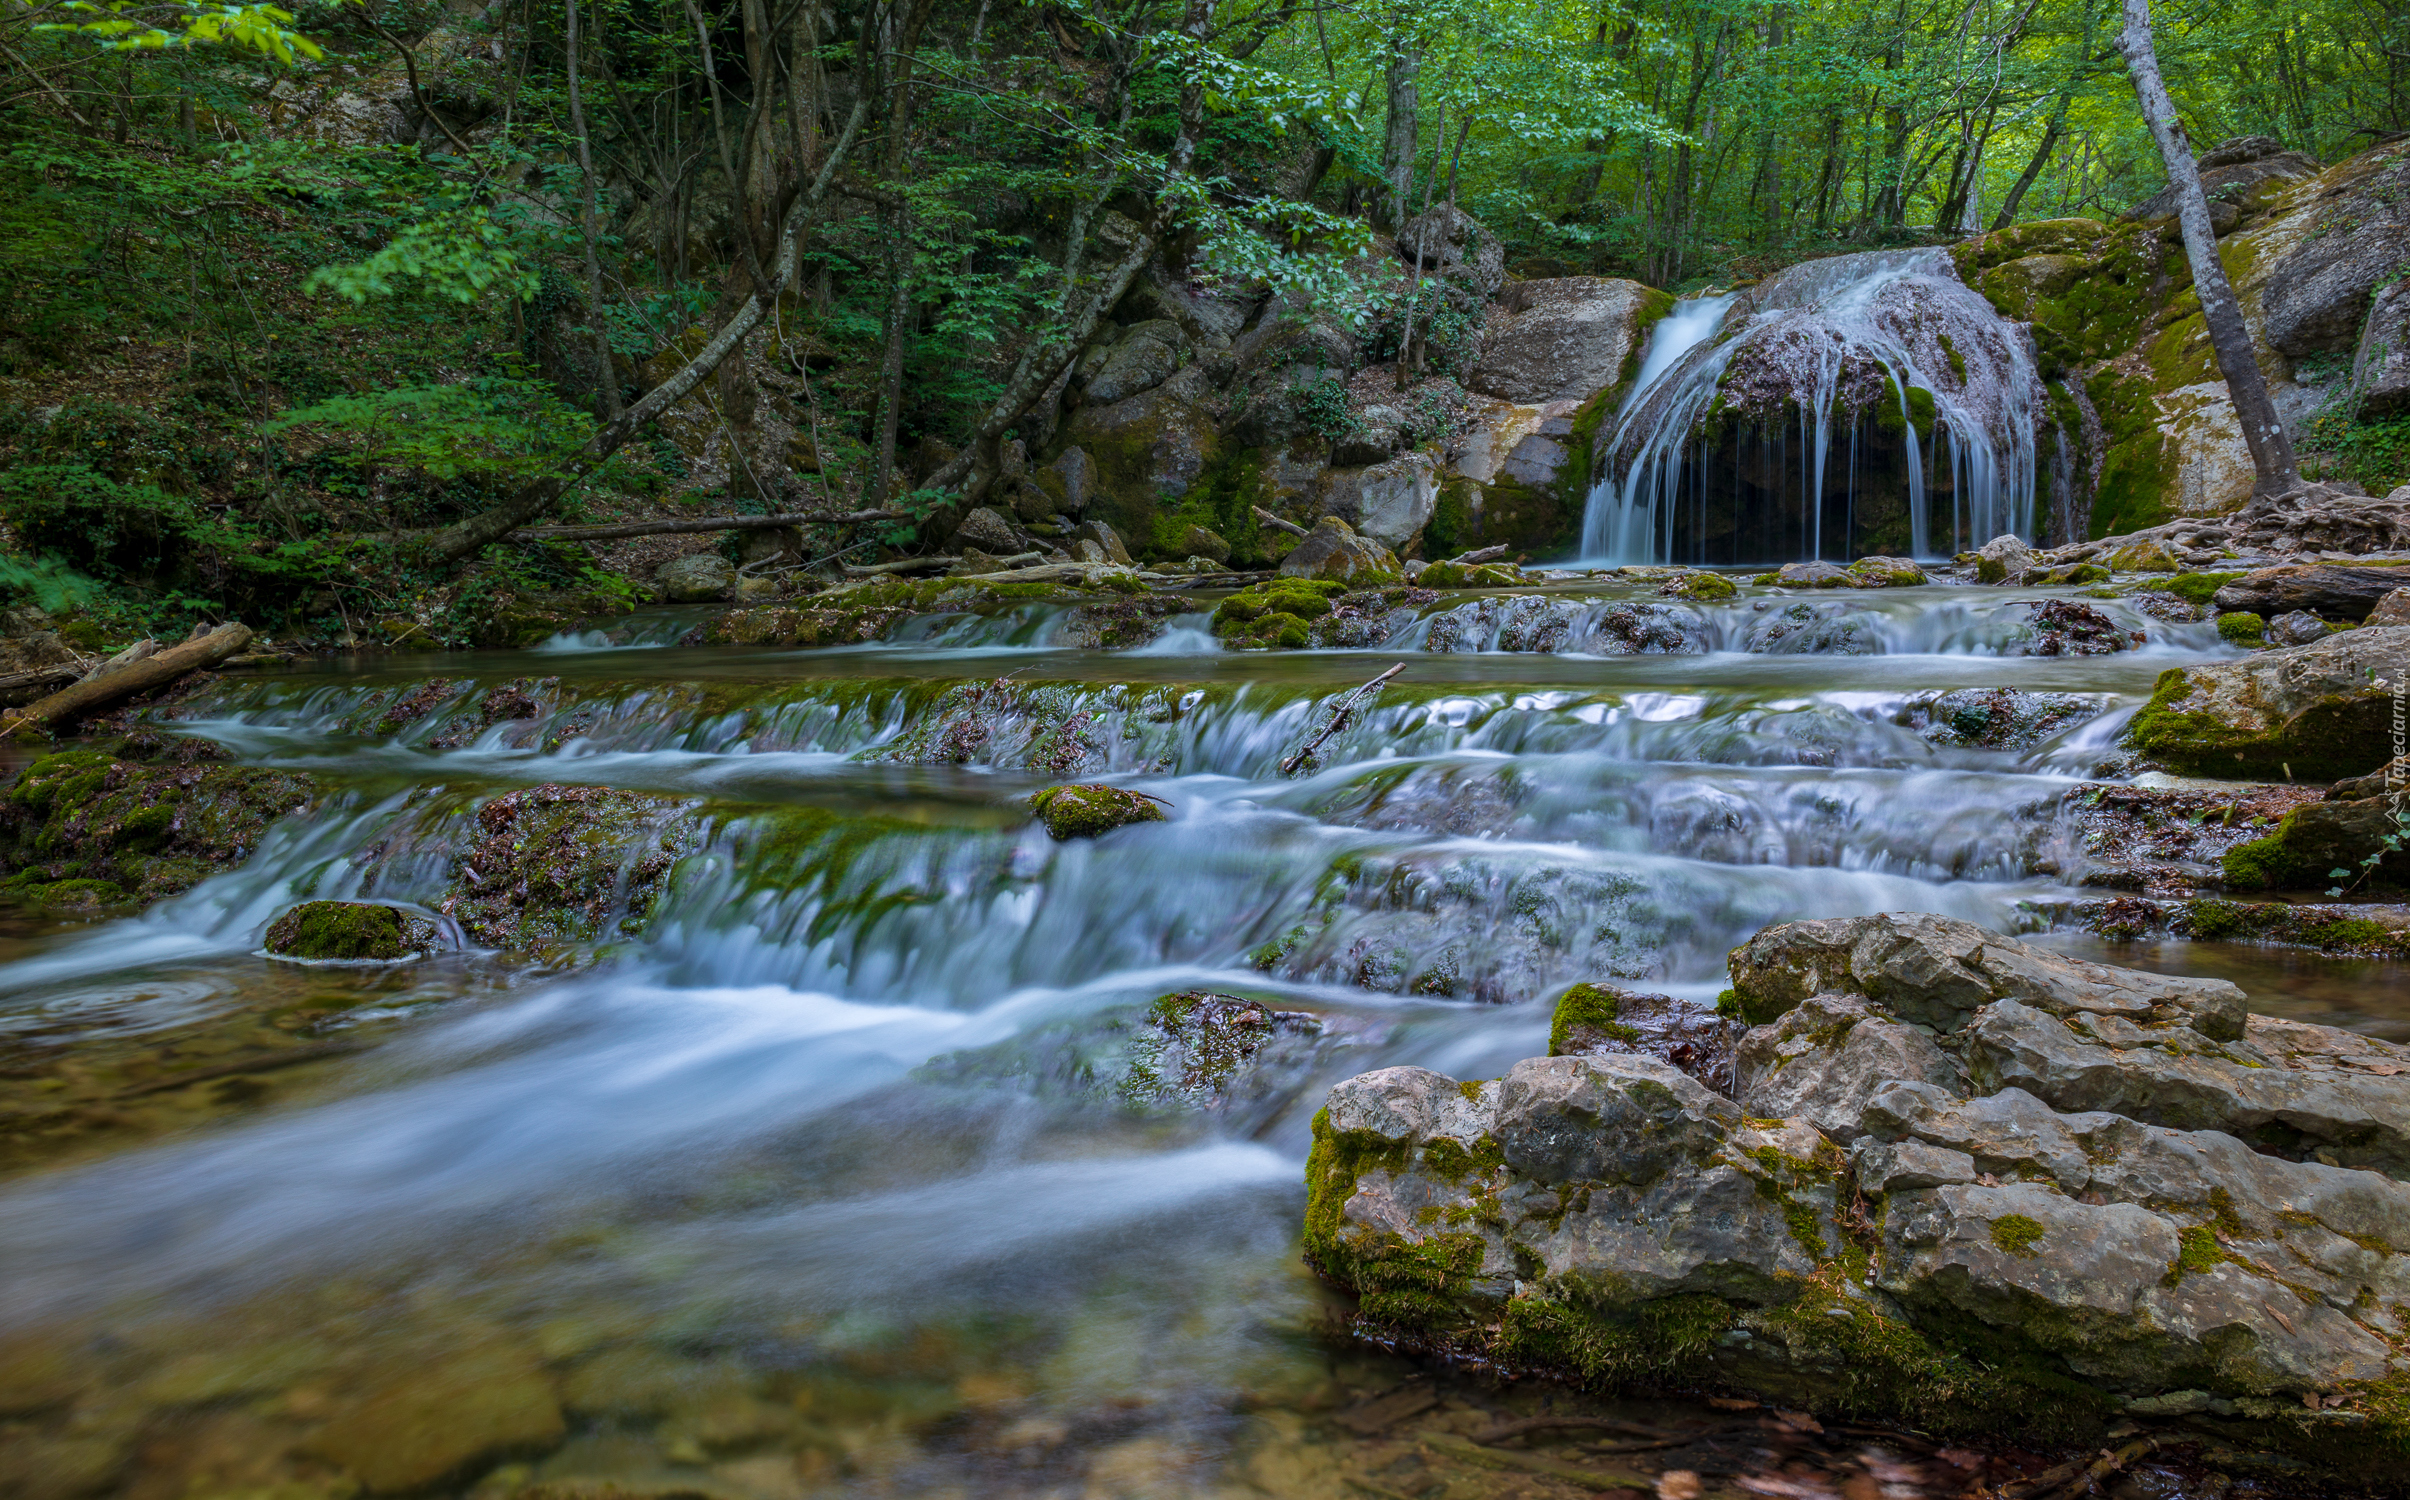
(2380, 364)
(2323, 710)
(1565, 339)
(2335, 593)
(1967, 1182)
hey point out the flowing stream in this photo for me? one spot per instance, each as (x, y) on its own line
(827, 1175)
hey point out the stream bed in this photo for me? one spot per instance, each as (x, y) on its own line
(829, 1159)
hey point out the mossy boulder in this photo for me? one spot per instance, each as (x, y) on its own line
(1452, 575)
(1082, 811)
(2317, 712)
(134, 819)
(2313, 841)
(1886, 572)
(1278, 612)
(2238, 628)
(1699, 585)
(554, 866)
(349, 930)
(2145, 557)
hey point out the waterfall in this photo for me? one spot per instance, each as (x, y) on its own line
(1862, 403)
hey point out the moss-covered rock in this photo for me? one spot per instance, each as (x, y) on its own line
(1886, 572)
(350, 930)
(1084, 811)
(1450, 575)
(2237, 628)
(554, 866)
(2318, 712)
(1276, 613)
(2315, 840)
(134, 819)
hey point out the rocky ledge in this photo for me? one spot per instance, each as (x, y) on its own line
(1956, 1180)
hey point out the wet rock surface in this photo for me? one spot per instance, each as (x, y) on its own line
(349, 930)
(2121, 1188)
(2328, 592)
(1085, 812)
(1595, 1019)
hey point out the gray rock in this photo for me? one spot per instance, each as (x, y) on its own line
(695, 578)
(2394, 608)
(2238, 177)
(2380, 363)
(1157, 441)
(1071, 478)
(1826, 1056)
(1453, 245)
(1333, 550)
(1564, 339)
(2316, 295)
(1105, 539)
(1143, 358)
(1379, 431)
(2002, 558)
(2310, 1087)
(1397, 498)
(1814, 575)
(2297, 628)
(988, 531)
(1620, 1172)
(1895, 1166)
(1938, 971)
(2339, 593)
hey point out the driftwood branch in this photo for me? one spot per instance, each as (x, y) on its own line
(1479, 555)
(103, 688)
(611, 530)
(1275, 522)
(1337, 722)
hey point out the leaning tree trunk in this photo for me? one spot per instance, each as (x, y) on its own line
(2271, 447)
(1400, 134)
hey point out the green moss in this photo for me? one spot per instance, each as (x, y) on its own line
(1586, 1008)
(2240, 629)
(2196, 588)
(2138, 466)
(2270, 863)
(1087, 810)
(1451, 1163)
(2199, 1253)
(340, 930)
(1276, 612)
(2017, 1234)
(1957, 360)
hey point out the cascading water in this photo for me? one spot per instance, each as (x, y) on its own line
(1864, 403)
(819, 1161)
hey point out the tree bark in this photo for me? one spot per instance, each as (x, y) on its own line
(466, 537)
(896, 225)
(2271, 446)
(606, 374)
(1398, 136)
(104, 688)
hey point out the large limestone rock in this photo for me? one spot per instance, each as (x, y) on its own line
(1825, 1057)
(2240, 176)
(1565, 339)
(2316, 288)
(1388, 502)
(2129, 1195)
(1453, 245)
(1332, 550)
(1938, 971)
(2318, 712)
(2380, 364)
(1145, 446)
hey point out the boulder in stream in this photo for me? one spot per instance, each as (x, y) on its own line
(1332, 552)
(2316, 712)
(697, 578)
(1084, 811)
(1968, 1184)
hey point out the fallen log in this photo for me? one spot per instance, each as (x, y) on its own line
(38, 677)
(2342, 593)
(1479, 555)
(105, 687)
(611, 530)
(900, 565)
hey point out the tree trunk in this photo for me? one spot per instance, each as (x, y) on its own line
(1398, 140)
(606, 374)
(2271, 447)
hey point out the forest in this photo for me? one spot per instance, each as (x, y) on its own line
(281, 287)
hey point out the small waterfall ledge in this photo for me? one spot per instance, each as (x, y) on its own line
(1860, 404)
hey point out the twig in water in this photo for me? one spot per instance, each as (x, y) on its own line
(1338, 721)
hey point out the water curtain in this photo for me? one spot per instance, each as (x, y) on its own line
(1729, 447)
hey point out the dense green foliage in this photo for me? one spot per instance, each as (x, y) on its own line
(273, 279)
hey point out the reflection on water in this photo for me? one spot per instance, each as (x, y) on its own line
(828, 1173)
(2369, 995)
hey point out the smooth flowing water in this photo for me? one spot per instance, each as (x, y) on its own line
(827, 1173)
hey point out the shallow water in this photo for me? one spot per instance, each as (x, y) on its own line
(819, 1182)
